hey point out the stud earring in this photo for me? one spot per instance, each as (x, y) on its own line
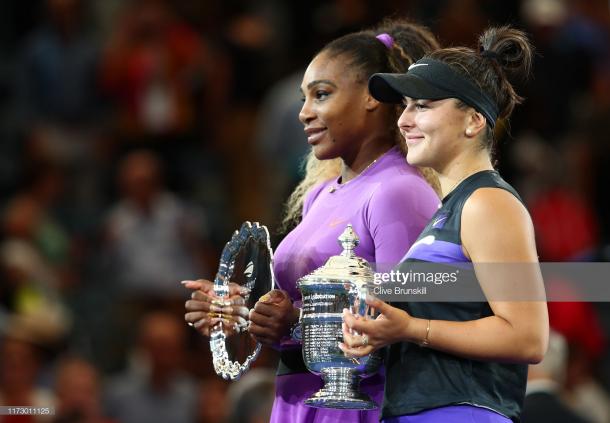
(468, 132)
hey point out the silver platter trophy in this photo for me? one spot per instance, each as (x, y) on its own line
(247, 260)
(341, 283)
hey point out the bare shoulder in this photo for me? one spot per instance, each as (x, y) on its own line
(495, 205)
(496, 227)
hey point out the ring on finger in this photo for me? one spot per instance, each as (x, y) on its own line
(365, 340)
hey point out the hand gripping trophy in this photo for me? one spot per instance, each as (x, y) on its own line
(342, 282)
(247, 256)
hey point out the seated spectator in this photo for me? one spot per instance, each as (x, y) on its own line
(77, 388)
(544, 385)
(31, 287)
(20, 371)
(155, 389)
(153, 238)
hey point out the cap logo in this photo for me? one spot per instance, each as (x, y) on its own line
(414, 65)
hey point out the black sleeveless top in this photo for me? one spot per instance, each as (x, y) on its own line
(420, 378)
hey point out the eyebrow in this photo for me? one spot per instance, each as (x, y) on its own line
(320, 81)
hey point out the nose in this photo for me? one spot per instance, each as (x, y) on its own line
(405, 121)
(306, 114)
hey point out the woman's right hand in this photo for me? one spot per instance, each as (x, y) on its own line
(205, 309)
(272, 317)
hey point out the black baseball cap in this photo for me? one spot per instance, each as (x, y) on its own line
(431, 79)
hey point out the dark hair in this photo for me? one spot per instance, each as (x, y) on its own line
(369, 55)
(503, 55)
(366, 54)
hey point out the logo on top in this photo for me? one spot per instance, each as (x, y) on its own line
(414, 65)
(439, 221)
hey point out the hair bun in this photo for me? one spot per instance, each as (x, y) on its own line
(491, 55)
(510, 47)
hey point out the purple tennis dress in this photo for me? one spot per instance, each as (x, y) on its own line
(388, 205)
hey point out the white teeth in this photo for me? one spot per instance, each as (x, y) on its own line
(314, 136)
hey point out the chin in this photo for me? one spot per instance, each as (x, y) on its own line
(414, 160)
(322, 153)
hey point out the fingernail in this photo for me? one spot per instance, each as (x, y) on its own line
(265, 298)
(215, 308)
(185, 282)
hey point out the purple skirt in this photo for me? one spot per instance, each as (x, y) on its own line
(292, 390)
(453, 414)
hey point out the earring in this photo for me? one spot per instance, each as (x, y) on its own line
(469, 132)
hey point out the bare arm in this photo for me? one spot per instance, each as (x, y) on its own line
(496, 228)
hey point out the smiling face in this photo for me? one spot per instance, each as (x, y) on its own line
(334, 110)
(434, 131)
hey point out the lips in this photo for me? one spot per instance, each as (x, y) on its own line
(314, 134)
(413, 139)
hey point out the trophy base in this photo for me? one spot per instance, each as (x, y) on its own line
(340, 391)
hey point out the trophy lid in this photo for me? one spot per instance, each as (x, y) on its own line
(344, 267)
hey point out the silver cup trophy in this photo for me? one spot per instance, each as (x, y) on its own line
(341, 283)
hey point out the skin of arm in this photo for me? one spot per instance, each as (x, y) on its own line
(518, 330)
(273, 316)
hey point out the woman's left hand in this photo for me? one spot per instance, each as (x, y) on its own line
(390, 326)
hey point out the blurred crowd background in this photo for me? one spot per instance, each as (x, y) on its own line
(136, 135)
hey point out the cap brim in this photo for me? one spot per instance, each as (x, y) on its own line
(393, 87)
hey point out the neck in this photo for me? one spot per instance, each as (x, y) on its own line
(461, 168)
(363, 158)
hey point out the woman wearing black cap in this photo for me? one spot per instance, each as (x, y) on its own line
(450, 361)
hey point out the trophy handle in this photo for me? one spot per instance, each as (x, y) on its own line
(249, 234)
